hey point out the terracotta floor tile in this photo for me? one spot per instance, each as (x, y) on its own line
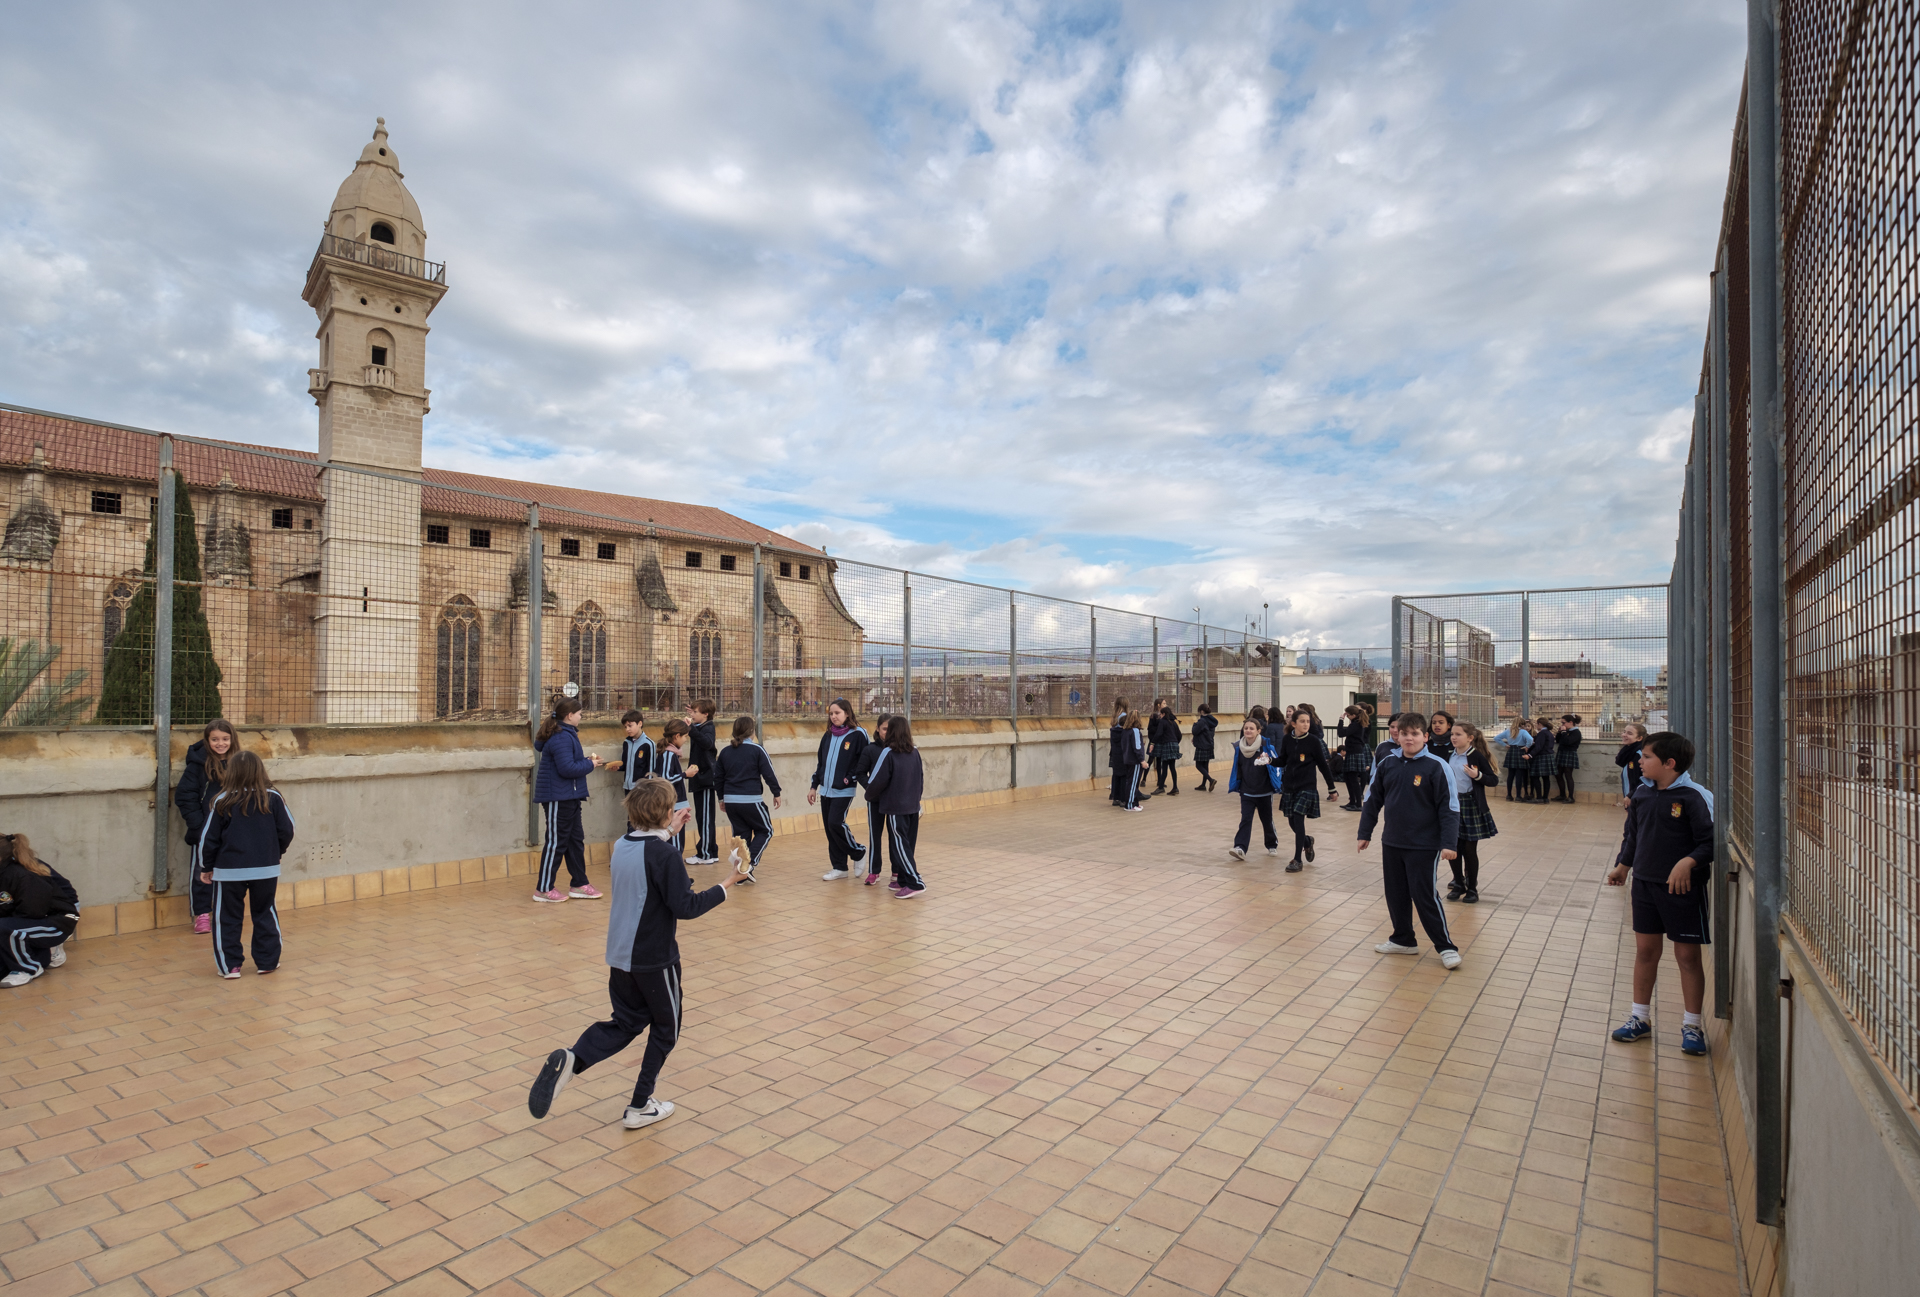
(1194, 1076)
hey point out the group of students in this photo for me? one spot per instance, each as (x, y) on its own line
(1542, 755)
(238, 827)
(737, 778)
(39, 910)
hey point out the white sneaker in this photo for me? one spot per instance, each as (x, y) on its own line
(1393, 948)
(1450, 959)
(1136, 808)
(57, 956)
(656, 1110)
(16, 979)
(1273, 851)
(833, 875)
(1238, 853)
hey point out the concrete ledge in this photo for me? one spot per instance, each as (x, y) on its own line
(305, 893)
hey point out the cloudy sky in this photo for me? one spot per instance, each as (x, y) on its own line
(1161, 305)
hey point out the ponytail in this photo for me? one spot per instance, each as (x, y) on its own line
(742, 729)
(15, 847)
(563, 707)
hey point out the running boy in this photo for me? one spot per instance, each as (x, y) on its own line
(650, 894)
(1415, 788)
(1667, 847)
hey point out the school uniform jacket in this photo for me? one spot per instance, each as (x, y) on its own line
(898, 784)
(1628, 759)
(1301, 759)
(1250, 780)
(1570, 739)
(1423, 811)
(674, 773)
(1543, 762)
(245, 845)
(1352, 736)
(838, 759)
(1203, 728)
(1123, 745)
(1162, 728)
(637, 760)
(26, 895)
(564, 767)
(700, 755)
(651, 893)
(1468, 789)
(741, 768)
(1665, 826)
(191, 794)
(870, 760)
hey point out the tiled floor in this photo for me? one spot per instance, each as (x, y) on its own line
(1099, 1057)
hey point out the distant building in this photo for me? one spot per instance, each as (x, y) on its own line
(1600, 697)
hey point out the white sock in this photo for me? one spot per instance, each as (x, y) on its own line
(1690, 1019)
(1644, 1012)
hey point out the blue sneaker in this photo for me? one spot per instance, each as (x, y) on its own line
(1692, 1040)
(1632, 1029)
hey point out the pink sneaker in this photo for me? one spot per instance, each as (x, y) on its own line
(555, 897)
(203, 923)
(873, 880)
(588, 892)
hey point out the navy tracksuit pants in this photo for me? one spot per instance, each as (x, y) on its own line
(842, 846)
(706, 823)
(751, 822)
(565, 840)
(1412, 877)
(24, 943)
(1126, 784)
(231, 899)
(903, 835)
(648, 1001)
(876, 838)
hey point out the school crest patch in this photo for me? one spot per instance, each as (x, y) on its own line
(1673, 809)
(1416, 781)
(845, 744)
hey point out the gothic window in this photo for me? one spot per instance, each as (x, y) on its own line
(115, 615)
(457, 659)
(799, 649)
(703, 656)
(587, 655)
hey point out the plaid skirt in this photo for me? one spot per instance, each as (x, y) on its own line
(1544, 764)
(1358, 763)
(1305, 803)
(1517, 759)
(1476, 821)
(1167, 751)
(1567, 759)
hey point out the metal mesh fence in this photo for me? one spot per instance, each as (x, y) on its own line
(1849, 513)
(1598, 653)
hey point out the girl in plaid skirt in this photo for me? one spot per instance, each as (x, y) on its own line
(1546, 759)
(1567, 759)
(1473, 773)
(1303, 759)
(1355, 732)
(1517, 739)
(1163, 736)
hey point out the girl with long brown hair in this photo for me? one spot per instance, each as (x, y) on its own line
(248, 830)
(1473, 773)
(560, 786)
(38, 912)
(199, 785)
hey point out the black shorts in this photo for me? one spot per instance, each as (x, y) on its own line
(1658, 912)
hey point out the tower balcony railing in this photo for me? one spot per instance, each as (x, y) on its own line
(382, 258)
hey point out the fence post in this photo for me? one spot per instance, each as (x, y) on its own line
(759, 639)
(1205, 697)
(1721, 708)
(1013, 690)
(163, 671)
(1246, 672)
(1769, 622)
(1093, 690)
(1526, 655)
(536, 701)
(906, 645)
(1399, 647)
(1156, 657)
(1273, 676)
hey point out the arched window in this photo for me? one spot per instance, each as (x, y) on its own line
(381, 232)
(114, 616)
(456, 659)
(799, 649)
(703, 657)
(587, 655)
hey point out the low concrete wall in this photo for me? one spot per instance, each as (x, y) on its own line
(381, 808)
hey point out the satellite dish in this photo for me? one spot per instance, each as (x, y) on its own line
(570, 689)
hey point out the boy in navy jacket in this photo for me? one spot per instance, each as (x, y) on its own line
(650, 895)
(636, 751)
(701, 781)
(1415, 789)
(1667, 849)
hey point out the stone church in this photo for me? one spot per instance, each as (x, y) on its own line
(356, 586)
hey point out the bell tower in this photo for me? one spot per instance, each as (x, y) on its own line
(373, 289)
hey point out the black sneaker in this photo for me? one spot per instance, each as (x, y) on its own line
(551, 1081)
(1454, 890)
(1309, 849)
(1470, 896)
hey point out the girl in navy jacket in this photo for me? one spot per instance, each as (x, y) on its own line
(1204, 725)
(1254, 760)
(870, 759)
(1303, 759)
(897, 786)
(38, 912)
(200, 784)
(1127, 754)
(841, 748)
(559, 786)
(247, 831)
(740, 770)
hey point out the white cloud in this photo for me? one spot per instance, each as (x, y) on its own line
(1212, 303)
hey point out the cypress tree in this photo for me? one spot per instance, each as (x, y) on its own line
(126, 692)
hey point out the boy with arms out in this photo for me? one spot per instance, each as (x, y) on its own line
(1667, 848)
(1415, 789)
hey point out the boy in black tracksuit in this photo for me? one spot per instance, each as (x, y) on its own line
(1667, 848)
(1415, 789)
(703, 782)
(637, 756)
(650, 894)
